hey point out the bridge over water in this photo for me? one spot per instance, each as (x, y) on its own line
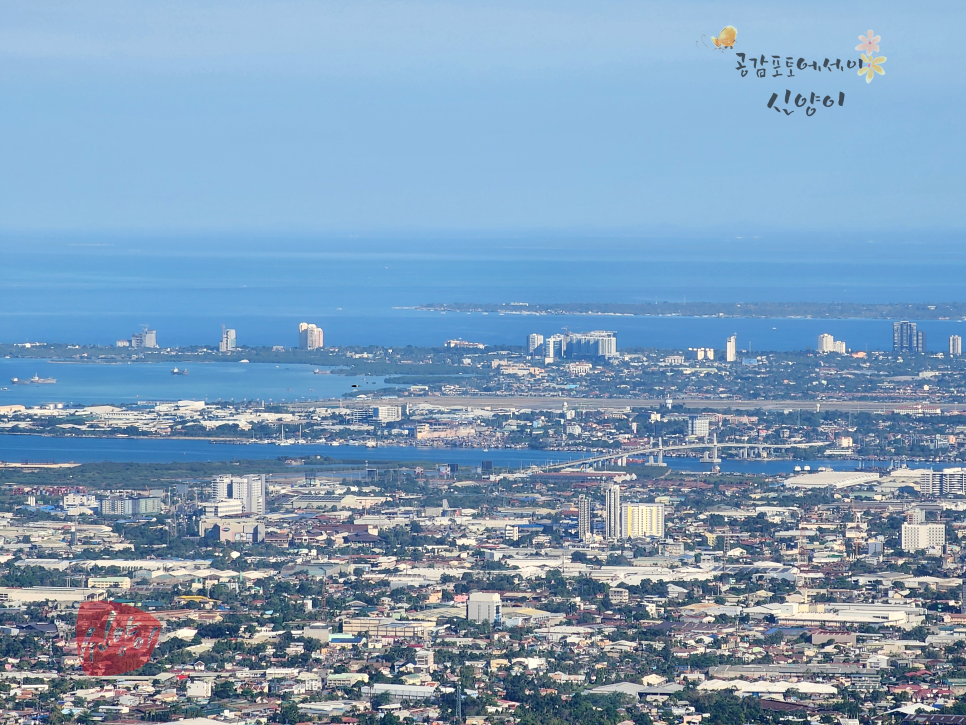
(745, 450)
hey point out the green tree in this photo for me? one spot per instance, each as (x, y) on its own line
(223, 690)
(288, 714)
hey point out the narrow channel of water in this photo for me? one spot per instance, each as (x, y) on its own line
(19, 448)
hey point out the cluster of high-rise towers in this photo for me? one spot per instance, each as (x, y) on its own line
(621, 521)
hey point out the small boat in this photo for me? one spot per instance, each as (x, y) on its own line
(176, 371)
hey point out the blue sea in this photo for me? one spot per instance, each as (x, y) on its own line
(43, 449)
(93, 383)
(361, 291)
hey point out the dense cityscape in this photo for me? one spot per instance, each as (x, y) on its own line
(340, 591)
(406, 362)
(614, 587)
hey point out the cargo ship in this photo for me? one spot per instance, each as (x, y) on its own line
(35, 380)
(179, 372)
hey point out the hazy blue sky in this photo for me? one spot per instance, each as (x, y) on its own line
(372, 117)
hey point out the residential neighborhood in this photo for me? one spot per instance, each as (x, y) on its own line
(347, 593)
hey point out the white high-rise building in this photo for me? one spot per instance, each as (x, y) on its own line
(145, 338)
(731, 349)
(533, 342)
(639, 520)
(310, 336)
(228, 342)
(599, 343)
(73, 500)
(699, 426)
(955, 345)
(220, 488)
(583, 518)
(248, 490)
(554, 347)
(612, 520)
(947, 481)
(916, 516)
(386, 413)
(922, 536)
(484, 607)
(827, 343)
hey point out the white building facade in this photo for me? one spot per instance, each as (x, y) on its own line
(916, 537)
(484, 607)
(249, 491)
(612, 515)
(639, 520)
(310, 336)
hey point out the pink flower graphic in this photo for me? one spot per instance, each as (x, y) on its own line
(869, 44)
(872, 66)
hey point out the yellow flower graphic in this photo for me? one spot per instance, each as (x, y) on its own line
(872, 66)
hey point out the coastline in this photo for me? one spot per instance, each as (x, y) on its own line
(947, 312)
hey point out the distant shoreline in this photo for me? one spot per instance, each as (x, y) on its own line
(949, 311)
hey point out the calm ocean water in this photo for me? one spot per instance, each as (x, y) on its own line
(17, 448)
(89, 383)
(96, 290)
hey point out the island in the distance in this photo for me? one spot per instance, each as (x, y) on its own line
(775, 310)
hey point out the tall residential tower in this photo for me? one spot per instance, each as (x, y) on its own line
(583, 518)
(907, 338)
(310, 336)
(247, 490)
(228, 342)
(612, 521)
